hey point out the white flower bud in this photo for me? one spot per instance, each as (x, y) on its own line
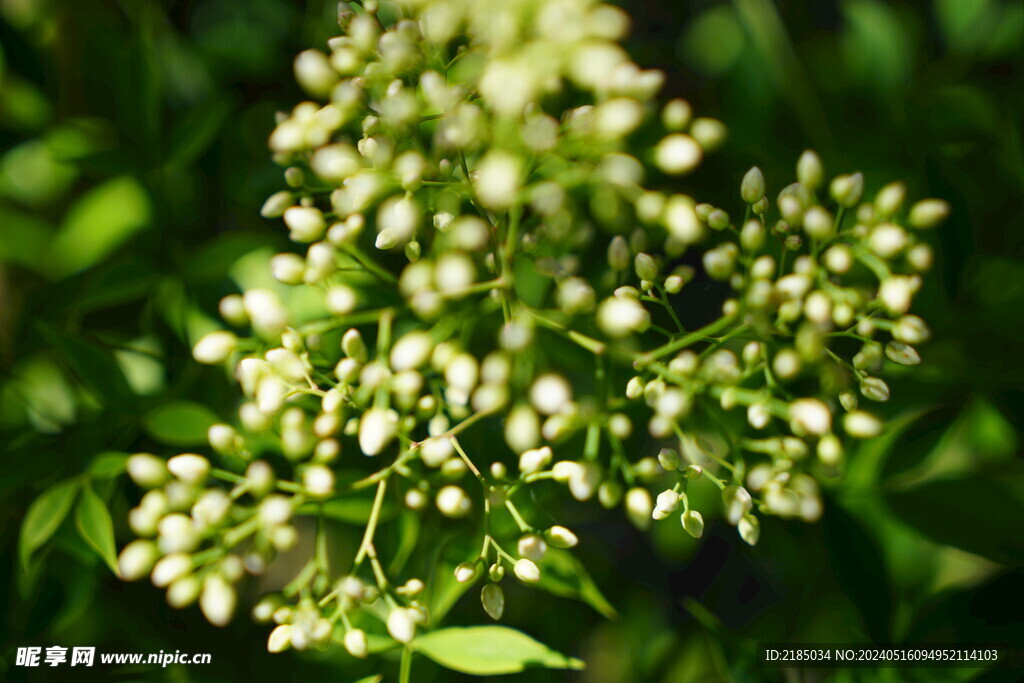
(268, 315)
(189, 467)
(560, 537)
(667, 502)
(550, 394)
(411, 351)
(901, 353)
(305, 223)
(526, 571)
(222, 438)
(218, 600)
(453, 502)
(532, 547)
(314, 73)
(677, 153)
(862, 425)
(415, 499)
(178, 533)
(709, 133)
(810, 416)
(564, 470)
(466, 572)
(737, 502)
(318, 480)
(750, 529)
(215, 347)
(137, 559)
(275, 510)
(401, 624)
(838, 259)
(212, 508)
(584, 481)
(355, 643)
(171, 568)
(498, 179)
(341, 300)
(639, 507)
(493, 600)
(758, 415)
(887, 240)
(276, 204)
(681, 220)
(280, 638)
(830, 450)
(147, 470)
(288, 268)
(354, 347)
(818, 223)
(693, 523)
(928, 213)
(619, 317)
(184, 592)
(676, 114)
(377, 428)
(534, 460)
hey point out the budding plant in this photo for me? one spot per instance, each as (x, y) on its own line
(493, 259)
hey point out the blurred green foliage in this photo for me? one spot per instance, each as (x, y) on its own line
(134, 162)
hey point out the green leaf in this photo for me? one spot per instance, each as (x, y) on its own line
(95, 367)
(44, 517)
(860, 569)
(108, 464)
(95, 526)
(179, 423)
(98, 223)
(489, 651)
(974, 513)
(563, 575)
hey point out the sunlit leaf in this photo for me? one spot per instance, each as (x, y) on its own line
(179, 423)
(44, 516)
(564, 575)
(95, 526)
(98, 223)
(489, 651)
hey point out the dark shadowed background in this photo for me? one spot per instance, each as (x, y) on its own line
(133, 165)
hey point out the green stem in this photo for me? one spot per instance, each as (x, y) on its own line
(684, 341)
(405, 668)
(589, 343)
(372, 266)
(371, 526)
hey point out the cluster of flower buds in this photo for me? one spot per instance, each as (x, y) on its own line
(462, 234)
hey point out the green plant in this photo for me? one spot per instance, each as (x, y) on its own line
(499, 244)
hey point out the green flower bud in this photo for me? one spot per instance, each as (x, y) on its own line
(493, 600)
(809, 170)
(847, 189)
(890, 198)
(874, 388)
(646, 267)
(354, 347)
(752, 187)
(901, 353)
(618, 253)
